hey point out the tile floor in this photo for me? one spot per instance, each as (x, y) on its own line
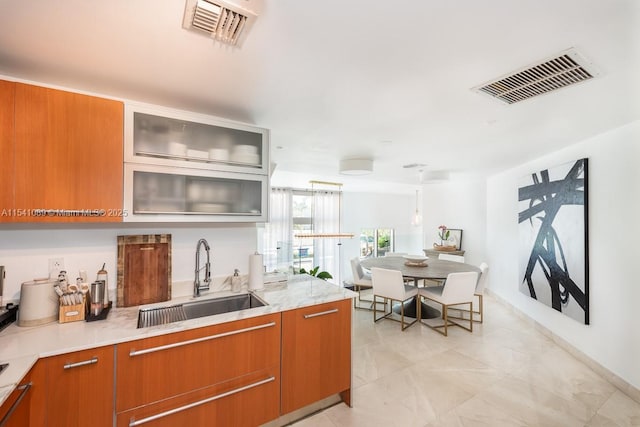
(504, 374)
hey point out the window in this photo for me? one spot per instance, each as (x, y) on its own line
(302, 223)
(376, 242)
(295, 212)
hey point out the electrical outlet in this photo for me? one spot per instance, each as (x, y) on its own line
(56, 264)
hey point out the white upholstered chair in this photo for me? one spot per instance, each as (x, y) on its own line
(450, 257)
(458, 289)
(388, 284)
(482, 282)
(362, 285)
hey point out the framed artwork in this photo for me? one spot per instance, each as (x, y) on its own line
(455, 238)
(553, 238)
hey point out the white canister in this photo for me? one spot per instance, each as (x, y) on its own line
(38, 303)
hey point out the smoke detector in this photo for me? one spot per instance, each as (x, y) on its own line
(559, 71)
(220, 20)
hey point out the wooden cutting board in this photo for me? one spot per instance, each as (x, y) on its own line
(144, 269)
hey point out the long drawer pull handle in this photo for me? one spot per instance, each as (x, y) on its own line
(83, 363)
(322, 313)
(197, 340)
(141, 421)
(25, 388)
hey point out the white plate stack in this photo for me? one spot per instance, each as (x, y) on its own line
(245, 154)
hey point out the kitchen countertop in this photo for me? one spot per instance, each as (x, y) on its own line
(21, 347)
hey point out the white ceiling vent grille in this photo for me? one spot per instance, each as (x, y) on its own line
(221, 20)
(552, 74)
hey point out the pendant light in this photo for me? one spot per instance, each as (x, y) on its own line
(416, 219)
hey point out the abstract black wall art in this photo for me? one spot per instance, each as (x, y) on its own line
(553, 247)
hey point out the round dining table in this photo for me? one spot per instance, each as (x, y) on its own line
(433, 269)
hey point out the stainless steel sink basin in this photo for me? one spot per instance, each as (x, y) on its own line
(192, 310)
(221, 305)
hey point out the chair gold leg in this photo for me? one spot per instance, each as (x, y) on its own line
(481, 308)
(445, 312)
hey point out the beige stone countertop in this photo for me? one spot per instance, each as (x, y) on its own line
(21, 347)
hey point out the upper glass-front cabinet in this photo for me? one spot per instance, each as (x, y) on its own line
(186, 167)
(174, 138)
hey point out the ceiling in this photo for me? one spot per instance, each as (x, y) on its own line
(344, 79)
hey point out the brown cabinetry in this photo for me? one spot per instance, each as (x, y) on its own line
(65, 155)
(77, 391)
(14, 412)
(316, 354)
(228, 372)
(7, 101)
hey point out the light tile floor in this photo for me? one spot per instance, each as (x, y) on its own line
(504, 374)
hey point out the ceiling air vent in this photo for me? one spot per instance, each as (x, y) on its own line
(220, 20)
(560, 71)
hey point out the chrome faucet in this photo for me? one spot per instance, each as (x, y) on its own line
(207, 270)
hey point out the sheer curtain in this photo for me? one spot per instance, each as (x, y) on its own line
(326, 219)
(277, 251)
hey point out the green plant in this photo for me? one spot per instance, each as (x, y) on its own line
(324, 275)
(444, 233)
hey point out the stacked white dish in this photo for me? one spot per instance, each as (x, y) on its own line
(245, 154)
(177, 149)
(197, 154)
(219, 154)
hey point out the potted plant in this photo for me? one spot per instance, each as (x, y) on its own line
(324, 275)
(444, 235)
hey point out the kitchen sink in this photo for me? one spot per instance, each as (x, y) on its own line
(192, 310)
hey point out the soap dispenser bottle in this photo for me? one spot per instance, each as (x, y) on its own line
(235, 281)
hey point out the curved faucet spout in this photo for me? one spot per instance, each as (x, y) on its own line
(197, 287)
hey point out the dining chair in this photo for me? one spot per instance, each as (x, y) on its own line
(450, 257)
(458, 289)
(479, 293)
(389, 284)
(362, 285)
(396, 254)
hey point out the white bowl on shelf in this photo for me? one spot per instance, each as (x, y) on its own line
(251, 159)
(197, 154)
(245, 149)
(219, 154)
(177, 149)
(415, 258)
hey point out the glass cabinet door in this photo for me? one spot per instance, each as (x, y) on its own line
(159, 193)
(195, 141)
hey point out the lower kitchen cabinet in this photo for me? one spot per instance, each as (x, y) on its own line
(316, 354)
(78, 389)
(170, 370)
(248, 401)
(15, 411)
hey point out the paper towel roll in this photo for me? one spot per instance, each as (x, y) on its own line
(256, 273)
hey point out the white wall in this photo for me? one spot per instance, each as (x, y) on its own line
(613, 337)
(460, 203)
(379, 210)
(26, 249)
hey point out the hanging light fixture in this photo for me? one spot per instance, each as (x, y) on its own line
(416, 219)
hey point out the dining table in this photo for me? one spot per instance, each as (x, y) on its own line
(430, 269)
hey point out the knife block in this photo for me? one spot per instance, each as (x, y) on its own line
(72, 313)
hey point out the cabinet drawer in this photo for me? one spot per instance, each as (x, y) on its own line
(14, 412)
(79, 387)
(161, 367)
(249, 401)
(316, 354)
